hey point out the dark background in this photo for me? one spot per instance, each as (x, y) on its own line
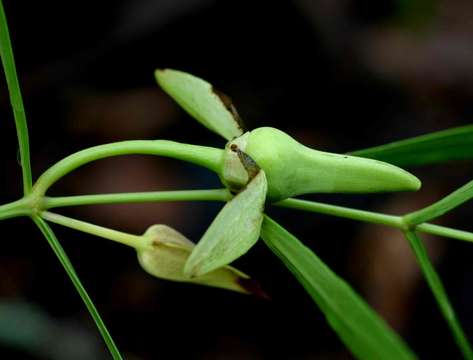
(337, 75)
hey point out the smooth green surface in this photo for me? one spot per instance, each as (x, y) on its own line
(67, 265)
(341, 211)
(359, 327)
(437, 147)
(439, 293)
(294, 169)
(442, 206)
(201, 101)
(138, 197)
(233, 232)
(16, 100)
(200, 155)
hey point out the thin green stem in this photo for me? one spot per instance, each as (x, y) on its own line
(8, 62)
(63, 258)
(445, 231)
(374, 218)
(201, 155)
(439, 293)
(16, 208)
(138, 197)
(133, 241)
(345, 212)
(442, 206)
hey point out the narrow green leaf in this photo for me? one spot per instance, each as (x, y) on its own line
(358, 326)
(67, 265)
(439, 293)
(437, 147)
(8, 62)
(442, 206)
(233, 232)
(202, 101)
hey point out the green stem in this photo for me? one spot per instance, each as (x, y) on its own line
(341, 211)
(439, 293)
(8, 61)
(123, 238)
(63, 258)
(374, 218)
(445, 231)
(442, 206)
(138, 197)
(201, 155)
(16, 208)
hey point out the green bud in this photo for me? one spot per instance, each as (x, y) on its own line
(294, 169)
(165, 251)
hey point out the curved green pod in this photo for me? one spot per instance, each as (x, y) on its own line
(294, 169)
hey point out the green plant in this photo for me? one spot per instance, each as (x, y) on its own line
(254, 169)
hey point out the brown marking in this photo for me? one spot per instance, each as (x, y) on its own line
(249, 164)
(234, 147)
(227, 102)
(253, 287)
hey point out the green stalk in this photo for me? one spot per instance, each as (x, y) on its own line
(341, 211)
(374, 218)
(103, 232)
(451, 201)
(445, 231)
(14, 209)
(439, 293)
(137, 197)
(201, 155)
(63, 258)
(8, 62)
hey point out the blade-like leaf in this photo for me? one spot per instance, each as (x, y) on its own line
(438, 290)
(67, 265)
(359, 327)
(8, 62)
(210, 107)
(233, 232)
(437, 147)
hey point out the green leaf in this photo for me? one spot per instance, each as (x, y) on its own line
(168, 251)
(233, 232)
(202, 101)
(439, 293)
(437, 147)
(358, 326)
(8, 62)
(67, 265)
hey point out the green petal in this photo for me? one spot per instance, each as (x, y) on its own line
(168, 250)
(233, 232)
(202, 101)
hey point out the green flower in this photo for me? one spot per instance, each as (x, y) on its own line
(263, 165)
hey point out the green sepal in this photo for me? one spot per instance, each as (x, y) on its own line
(202, 101)
(233, 232)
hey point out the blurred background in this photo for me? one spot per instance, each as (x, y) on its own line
(337, 75)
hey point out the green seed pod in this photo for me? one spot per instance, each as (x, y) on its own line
(164, 253)
(294, 169)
